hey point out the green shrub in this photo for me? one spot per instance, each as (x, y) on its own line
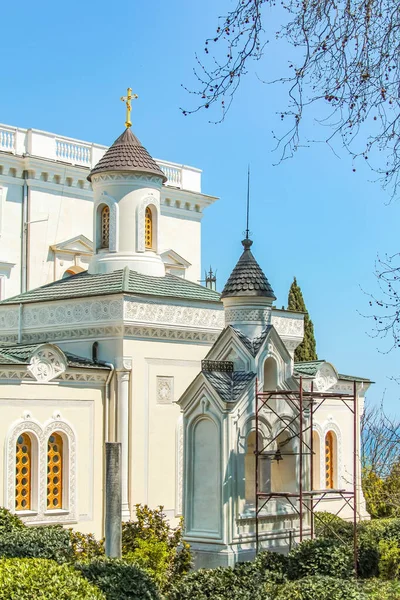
(272, 562)
(320, 557)
(119, 579)
(370, 534)
(28, 579)
(389, 559)
(153, 557)
(317, 588)
(223, 583)
(52, 542)
(331, 526)
(153, 526)
(85, 546)
(9, 522)
(376, 589)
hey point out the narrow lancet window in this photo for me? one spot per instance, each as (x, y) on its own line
(148, 229)
(105, 227)
(329, 443)
(54, 471)
(23, 472)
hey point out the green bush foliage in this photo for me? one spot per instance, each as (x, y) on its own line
(320, 557)
(153, 556)
(243, 582)
(376, 589)
(119, 579)
(333, 527)
(28, 579)
(389, 559)
(9, 522)
(152, 526)
(51, 542)
(316, 588)
(85, 546)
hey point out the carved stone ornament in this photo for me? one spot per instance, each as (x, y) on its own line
(47, 363)
(325, 378)
(165, 390)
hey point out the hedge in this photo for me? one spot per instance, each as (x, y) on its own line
(317, 588)
(28, 579)
(244, 582)
(119, 579)
(51, 542)
(320, 557)
(9, 522)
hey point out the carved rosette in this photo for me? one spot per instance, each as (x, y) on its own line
(47, 363)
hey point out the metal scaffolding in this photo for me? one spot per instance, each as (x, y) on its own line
(305, 500)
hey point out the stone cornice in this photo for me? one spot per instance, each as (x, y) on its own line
(110, 316)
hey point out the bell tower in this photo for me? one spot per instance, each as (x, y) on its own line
(126, 185)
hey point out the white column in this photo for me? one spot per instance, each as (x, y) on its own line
(123, 437)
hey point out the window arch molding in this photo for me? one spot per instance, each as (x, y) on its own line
(57, 425)
(153, 204)
(106, 200)
(39, 436)
(331, 425)
(33, 428)
(246, 429)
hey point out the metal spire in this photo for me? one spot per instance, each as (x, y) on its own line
(248, 202)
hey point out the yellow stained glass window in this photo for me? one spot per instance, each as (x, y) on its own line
(148, 229)
(23, 472)
(329, 460)
(54, 471)
(105, 227)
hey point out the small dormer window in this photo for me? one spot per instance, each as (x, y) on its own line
(148, 229)
(105, 227)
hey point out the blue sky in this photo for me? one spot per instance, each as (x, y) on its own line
(64, 68)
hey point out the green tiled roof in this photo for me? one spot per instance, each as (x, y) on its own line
(308, 368)
(117, 282)
(354, 378)
(21, 354)
(311, 367)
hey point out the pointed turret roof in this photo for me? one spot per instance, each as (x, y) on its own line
(127, 154)
(247, 278)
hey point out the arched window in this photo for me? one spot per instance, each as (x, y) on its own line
(329, 460)
(23, 472)
(105, 227)
(264, 469)
(316, 461)
(54, 471)
(148, 229)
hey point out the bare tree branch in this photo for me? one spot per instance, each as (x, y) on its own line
(348, 57)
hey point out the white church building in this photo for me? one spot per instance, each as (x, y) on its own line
(107, 335)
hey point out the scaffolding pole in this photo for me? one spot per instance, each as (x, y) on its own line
(306, 500)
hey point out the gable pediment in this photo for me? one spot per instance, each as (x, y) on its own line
(79, 244)
(173, 259)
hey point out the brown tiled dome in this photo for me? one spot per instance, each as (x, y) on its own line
(127, 154)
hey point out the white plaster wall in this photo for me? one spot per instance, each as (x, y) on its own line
(10, 233)
(153, 426)
(82, 408)
(183, 236)
(68, 216)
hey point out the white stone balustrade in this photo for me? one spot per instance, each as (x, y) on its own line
(7, 139)
(78, 154)
(43, 144)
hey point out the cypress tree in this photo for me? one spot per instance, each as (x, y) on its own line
(307, 349)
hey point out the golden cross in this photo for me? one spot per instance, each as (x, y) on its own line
(127, 99)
